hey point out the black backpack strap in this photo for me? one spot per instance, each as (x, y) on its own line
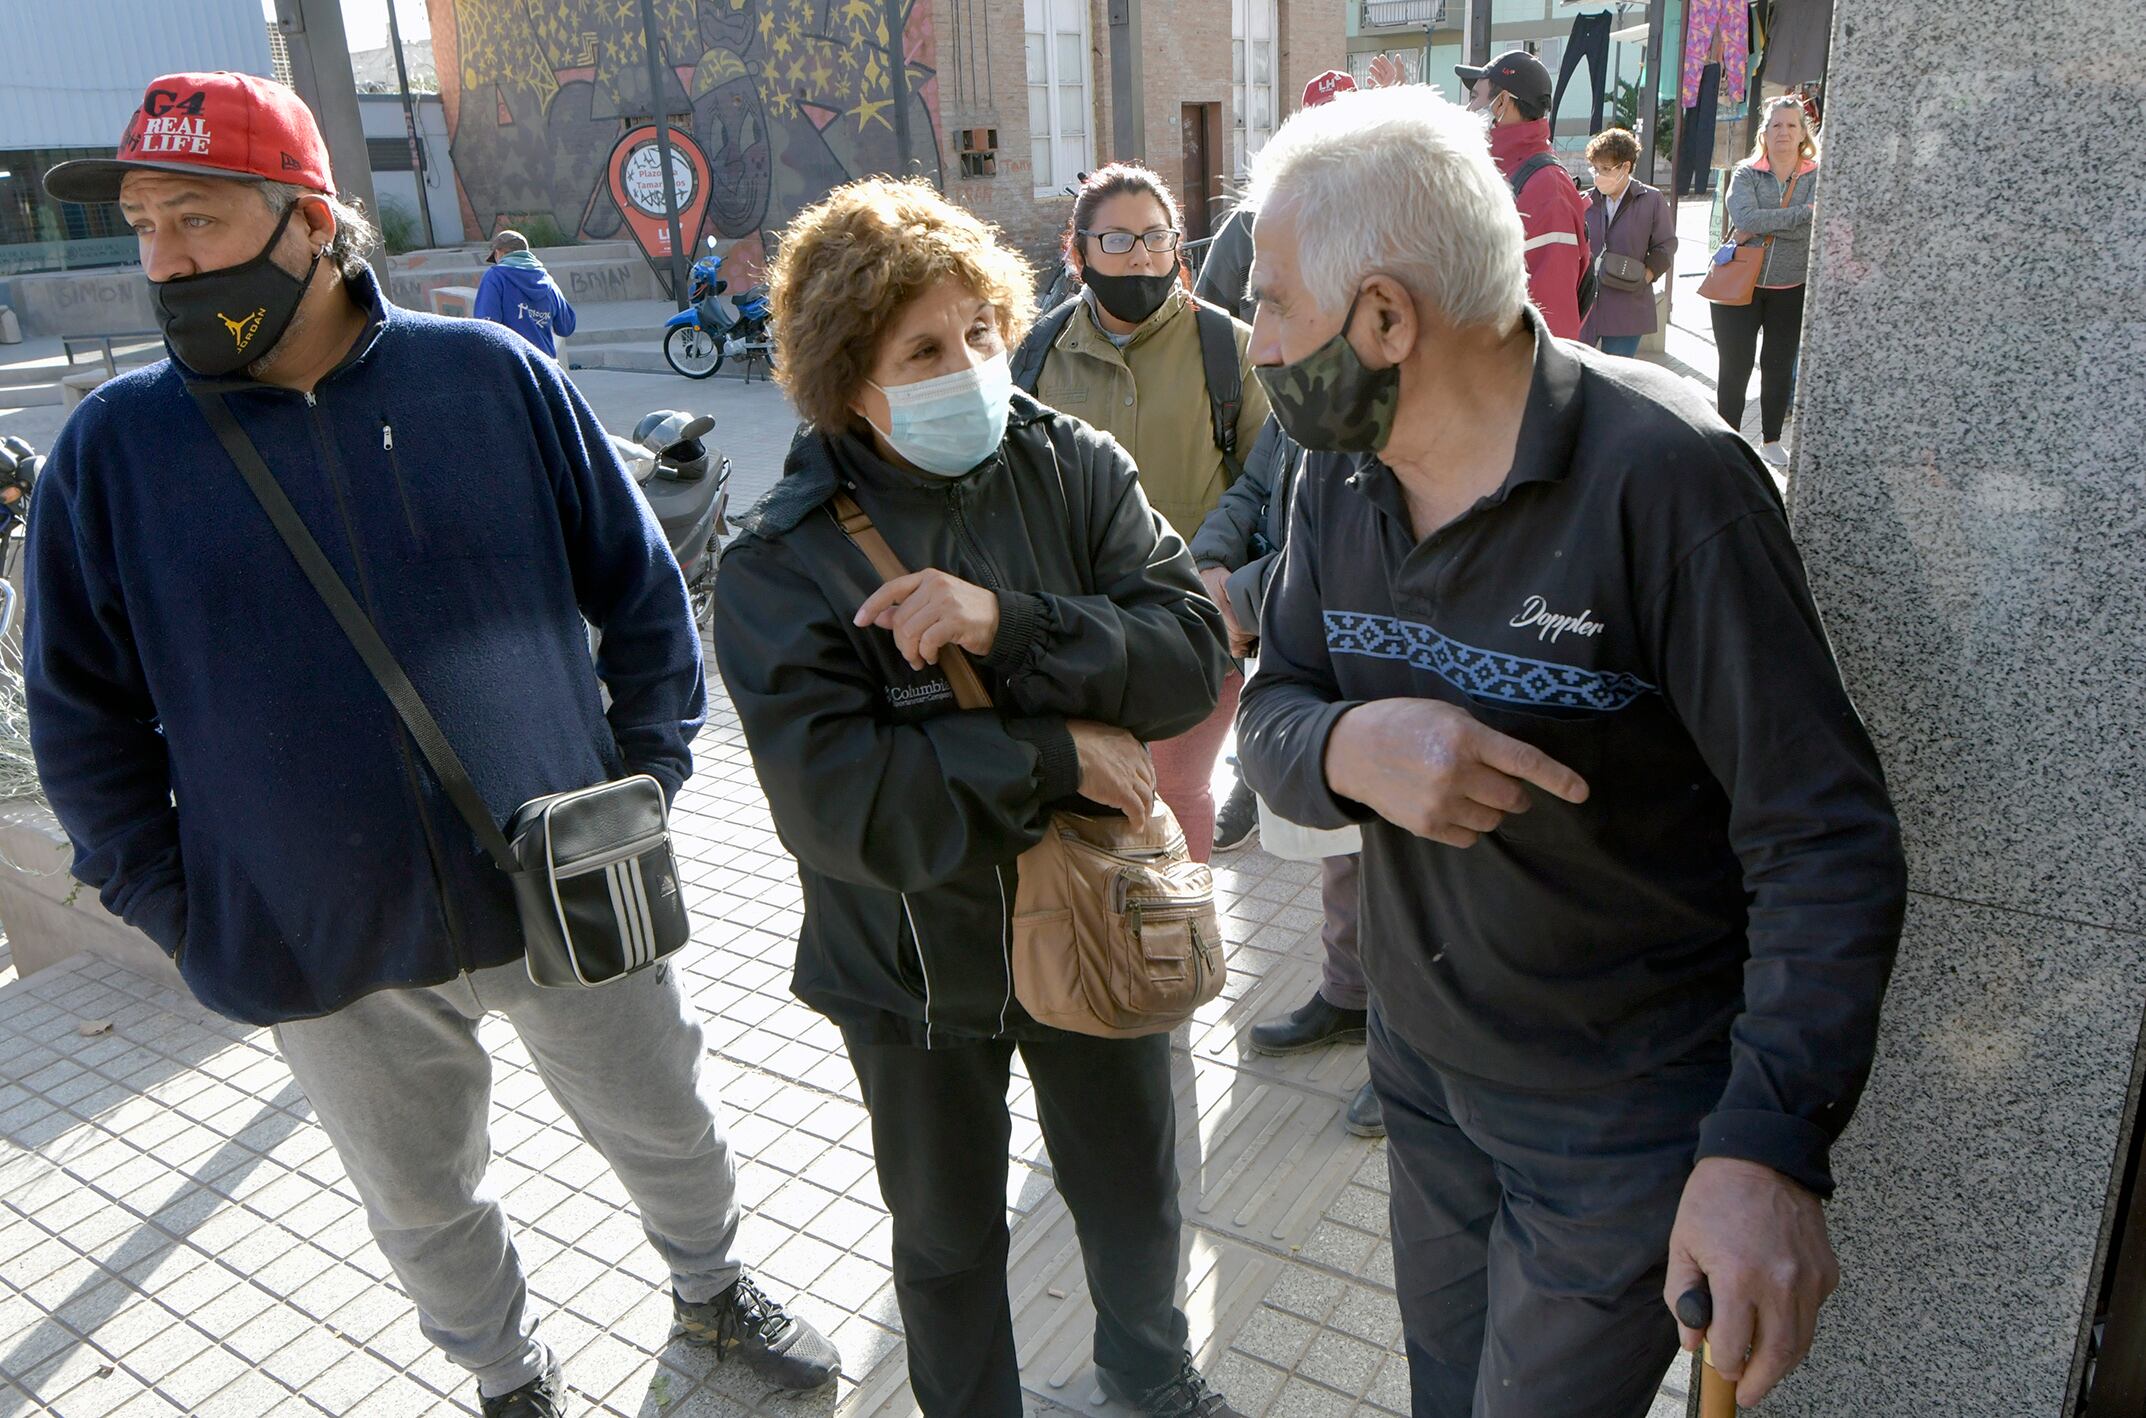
(1035, 347)
(1528, 169)
(446, 766)
(1225, 378)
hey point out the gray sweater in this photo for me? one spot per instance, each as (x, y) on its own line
(1755, 207)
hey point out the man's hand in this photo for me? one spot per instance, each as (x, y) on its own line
(929, 610)
(1386, 71)
(1241, 640)
(1115, 769)
(1429, 767)
(1758, 1241)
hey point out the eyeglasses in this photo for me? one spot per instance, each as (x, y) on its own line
(1117, 243)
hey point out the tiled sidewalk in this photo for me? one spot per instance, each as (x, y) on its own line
(177, 1237)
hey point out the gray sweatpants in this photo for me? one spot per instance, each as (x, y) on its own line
(404, 1091)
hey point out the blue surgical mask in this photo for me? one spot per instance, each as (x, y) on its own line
(946, 426)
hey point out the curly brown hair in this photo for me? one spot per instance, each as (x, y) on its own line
(848, 266)
(1612, 146)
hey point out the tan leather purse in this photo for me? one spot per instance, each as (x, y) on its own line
(1114, 926)
(1733, 282)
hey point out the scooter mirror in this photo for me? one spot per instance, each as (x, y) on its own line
(711, 243)
(698, 428)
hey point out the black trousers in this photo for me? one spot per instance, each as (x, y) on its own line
(1696, 155)
(1778, 316)
(1590, 41)
(1531, 1233)
(939, 1136)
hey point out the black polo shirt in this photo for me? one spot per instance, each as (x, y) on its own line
(1630, 602)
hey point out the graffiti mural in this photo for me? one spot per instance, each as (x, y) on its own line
(788, 98)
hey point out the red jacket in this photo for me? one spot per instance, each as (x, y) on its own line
(1554, 216)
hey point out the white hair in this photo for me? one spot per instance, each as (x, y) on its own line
(1398, 182)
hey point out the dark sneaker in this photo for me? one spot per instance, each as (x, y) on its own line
(539, 1398)
(1313, 1027)
(1365, 1118)
(1186, 1396)
(743, 1323)
(1237, 824)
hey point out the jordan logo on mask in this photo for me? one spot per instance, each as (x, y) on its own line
(242, 330)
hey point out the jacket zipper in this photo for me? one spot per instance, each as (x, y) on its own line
(433, 850)
(993, 581)
(402, 491)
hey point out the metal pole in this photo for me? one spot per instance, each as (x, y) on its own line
(409, 125)
(1128, 125)
(660, 106)
(1477, 34)
(320, 72)
(1647, 113)
(898, 85)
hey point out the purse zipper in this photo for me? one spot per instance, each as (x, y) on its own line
(617, 854)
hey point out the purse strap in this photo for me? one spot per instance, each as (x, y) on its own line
(431, 742)
(856, 524)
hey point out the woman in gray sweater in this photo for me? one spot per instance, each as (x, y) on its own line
(1770, 200)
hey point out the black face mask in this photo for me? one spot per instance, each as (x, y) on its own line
(1131, 298)
(221, 321)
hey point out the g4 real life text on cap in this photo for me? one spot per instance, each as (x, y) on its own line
(1515, 72)
(235, 126)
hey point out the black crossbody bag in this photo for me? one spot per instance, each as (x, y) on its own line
(594, 880)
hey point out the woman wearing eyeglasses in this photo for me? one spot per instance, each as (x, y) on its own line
(1129, 363)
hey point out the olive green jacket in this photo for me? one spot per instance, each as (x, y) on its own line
(1152, 397)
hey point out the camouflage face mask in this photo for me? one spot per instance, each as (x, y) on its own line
(1330, 400)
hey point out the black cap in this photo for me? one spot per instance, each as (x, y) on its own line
(1516, 72)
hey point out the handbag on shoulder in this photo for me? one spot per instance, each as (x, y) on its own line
(1115, 932)
(594, 881)
(1732, 282)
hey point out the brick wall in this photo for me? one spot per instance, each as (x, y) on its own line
(1185, 59)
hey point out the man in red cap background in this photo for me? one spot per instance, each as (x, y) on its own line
(236, 784)
(1514, 90)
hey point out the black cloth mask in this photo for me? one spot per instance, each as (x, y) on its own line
(221, 321)
(1131, 298)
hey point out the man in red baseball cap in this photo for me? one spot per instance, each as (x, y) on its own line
(237, 784)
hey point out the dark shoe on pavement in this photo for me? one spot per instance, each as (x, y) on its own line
(743, 1323)
(1314, 1026)
(1237, 824)
(543, 1397)
(1186, 1396)
(1365, 1118)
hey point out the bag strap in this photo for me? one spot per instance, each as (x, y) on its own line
(1036, 346)
(969, 691)
(446, 766)
(1225, 378)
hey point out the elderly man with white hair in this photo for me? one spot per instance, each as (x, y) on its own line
(1632, 886)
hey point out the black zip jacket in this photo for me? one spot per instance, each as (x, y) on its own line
(1631, 603)
(905, 813)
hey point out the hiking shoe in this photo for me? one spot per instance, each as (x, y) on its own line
(1365, 1118)
(743, 1323)
(1313, 1026)
(1237, 824)
(543, 1397)
(1186, 1396)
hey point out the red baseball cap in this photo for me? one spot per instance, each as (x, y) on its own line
(1324, 87)
(237, 126)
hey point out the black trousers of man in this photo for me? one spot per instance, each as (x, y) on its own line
(1531, 1233)
(940, 1131)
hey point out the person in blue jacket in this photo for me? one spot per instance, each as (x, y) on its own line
(236, 785)
(521, 295)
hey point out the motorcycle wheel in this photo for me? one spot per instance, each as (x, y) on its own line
(692, 351)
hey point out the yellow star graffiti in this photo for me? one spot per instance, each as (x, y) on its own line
(873, 111)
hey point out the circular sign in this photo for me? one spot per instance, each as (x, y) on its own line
(642, 177)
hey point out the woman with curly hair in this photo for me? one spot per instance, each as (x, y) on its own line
(1031, 547)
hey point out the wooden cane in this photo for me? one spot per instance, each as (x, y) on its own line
(1717, 1396)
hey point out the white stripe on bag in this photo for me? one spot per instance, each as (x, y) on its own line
(637, 880)
(622, 919)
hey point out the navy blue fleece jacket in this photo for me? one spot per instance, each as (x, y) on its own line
(234, 782)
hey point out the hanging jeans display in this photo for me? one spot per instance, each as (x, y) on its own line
(1696, 155)
(1590, 41)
